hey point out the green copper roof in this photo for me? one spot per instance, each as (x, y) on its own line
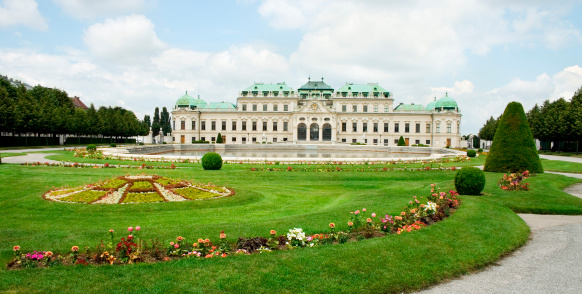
(431, 105)
(316, 85)
(261, 87)
(409, 107)
(220, 105)
(361, 88)
(446, 103)
(185, 101)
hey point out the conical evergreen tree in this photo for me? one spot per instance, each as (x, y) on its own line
(401, 141)
(513, 148)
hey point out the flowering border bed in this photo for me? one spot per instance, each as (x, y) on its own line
(419, 213)
(116, 191)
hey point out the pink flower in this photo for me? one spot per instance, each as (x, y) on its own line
(176, 246)
(363, 209)
(129, 229)
(171, 243)
(137, 228)
(350, 224)
(16, 248)
(222, 235)
(111, 231)
(373, 215)
(369, 220)
(357, 212)
(403, 213)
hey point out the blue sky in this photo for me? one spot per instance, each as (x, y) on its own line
(140, 54)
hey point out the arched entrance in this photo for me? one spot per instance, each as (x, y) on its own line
(326, 132)
(314, 132)
(301, 132)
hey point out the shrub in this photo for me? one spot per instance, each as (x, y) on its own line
(91, 147)
(480, 150)
(513, 147)
(112, 145)
(470, 181)
(219, 139)
(211, 161)
(471, 153)
(401, 141)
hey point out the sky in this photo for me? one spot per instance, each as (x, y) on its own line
(142, 54)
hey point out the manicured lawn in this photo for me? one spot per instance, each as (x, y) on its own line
(561, 166)
(9, 154)
(482, 230)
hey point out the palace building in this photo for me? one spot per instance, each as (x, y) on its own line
(317, 114)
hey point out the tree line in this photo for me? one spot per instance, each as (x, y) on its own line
(41, 110)
(556, 121)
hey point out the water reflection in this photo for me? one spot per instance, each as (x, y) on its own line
(305, 154)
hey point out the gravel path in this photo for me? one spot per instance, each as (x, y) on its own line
(30, 157)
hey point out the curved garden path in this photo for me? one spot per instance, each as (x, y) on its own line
(548, 263)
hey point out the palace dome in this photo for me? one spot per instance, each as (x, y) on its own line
(431, 105)
(446, 103)
(189, 101)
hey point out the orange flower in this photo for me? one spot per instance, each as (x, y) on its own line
(332, 225)
(75, 248)
(273, 232)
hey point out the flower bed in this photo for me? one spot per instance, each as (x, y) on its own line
(133, 248)
(138, 189)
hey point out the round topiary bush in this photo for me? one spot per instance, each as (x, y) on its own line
(91, 147)
(112, 145)
(471, 153)
(211, 161)
(470, 181)
(480, 150)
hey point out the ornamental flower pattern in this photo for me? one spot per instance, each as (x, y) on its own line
(137, 189)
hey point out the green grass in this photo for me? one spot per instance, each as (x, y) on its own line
(10, 154)
(482, 230)
(562, 166)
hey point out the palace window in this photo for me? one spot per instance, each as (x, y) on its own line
(354, 127)
(182, 125)
(375, 108)
(407, 127)
(375, 141)
(365, 108)
(203, 138)
(418, 127)
(438, 127)
(254, 126)
(274, 126)
(375, 127)
(223, 125)
(354, 108)
(428, 128)
(212, 139)
(203, 125)
(344, 126)
(234, 125)
(244, 125)
(416, 142)
(193, 125)
(396, 128)
(244, 107)
(264, 107)
(385, 127)
(365, 127)
(285, 107)
(285, 126)
(344, 108)
(264, 126)
(427, 142)
(254, 107)
(448, 127)
(233, 139)
(193, 139)
(275, 107)
(213, 125)
(244, 140)
(386, 108)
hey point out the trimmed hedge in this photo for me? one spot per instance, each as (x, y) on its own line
(211, 161)
(401, 141)
(513, 148)
(469, 181)
(471, 153)
(91, 148)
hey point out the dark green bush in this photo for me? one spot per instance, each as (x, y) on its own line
(91, 147)
(471, 153)
(401, 141)
(469, 181)
(513, 148)
(200, 142)
(112, 145)
(219, 139)
(211, 161)
(480, 150)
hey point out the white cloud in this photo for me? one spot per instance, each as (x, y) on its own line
(126, 39)
(290, 14)
(21, 12)
(91, 9)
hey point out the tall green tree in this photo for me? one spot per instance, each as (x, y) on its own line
(165, 121)
(156, 123)
(513, 148)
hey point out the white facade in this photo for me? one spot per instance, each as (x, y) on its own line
(316, 114)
